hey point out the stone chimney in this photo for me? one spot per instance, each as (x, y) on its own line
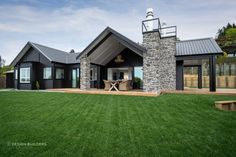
(159, 63)
(84, 73)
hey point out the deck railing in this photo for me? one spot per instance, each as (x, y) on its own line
(154, 25)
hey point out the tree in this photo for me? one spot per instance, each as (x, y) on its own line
(220, 61)
(226, 39)
(2, 62)
(5, 69)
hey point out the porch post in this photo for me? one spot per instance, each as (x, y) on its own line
(200, 76)
(98, 77)
(84, 73)
(180, 75)
(212, 73)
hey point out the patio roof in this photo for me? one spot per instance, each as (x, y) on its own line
(197, 47)
(108, 45)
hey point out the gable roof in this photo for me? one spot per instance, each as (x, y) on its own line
(197, 47)
(53, 55)
(119, 37)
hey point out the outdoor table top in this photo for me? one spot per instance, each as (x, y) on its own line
(113, 85)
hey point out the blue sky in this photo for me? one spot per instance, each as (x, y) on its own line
(73, 24)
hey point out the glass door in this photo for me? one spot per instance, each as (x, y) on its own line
(138, 77)
(74, 78)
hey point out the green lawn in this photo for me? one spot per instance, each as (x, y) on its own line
(109, 125)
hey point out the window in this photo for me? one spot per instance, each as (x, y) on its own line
(78, 73)
(16, 74)
(47, 73)
(114, 77)
(121, 76)
(59, 73)
(24, 75)
(93, 73)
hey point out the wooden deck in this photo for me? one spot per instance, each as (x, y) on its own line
(202, 91)
(142, 93)
(101, 91)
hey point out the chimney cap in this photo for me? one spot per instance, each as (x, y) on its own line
(149, 13)
(149, 10)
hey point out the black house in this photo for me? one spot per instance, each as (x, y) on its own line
(158, 63)
(45, 66)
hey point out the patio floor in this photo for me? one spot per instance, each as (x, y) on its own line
(102, 91)
(142, 93)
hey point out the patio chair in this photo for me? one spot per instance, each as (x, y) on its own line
(124, 85)
(107, 84)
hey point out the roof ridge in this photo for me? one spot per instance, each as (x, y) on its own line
(194, 39)
(48, 47)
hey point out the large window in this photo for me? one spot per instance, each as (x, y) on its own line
(24, 75)
(59, 73)
(138, 78)
(47, 73)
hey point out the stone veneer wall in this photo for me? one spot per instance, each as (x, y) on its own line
(84, 73)
(159, 63)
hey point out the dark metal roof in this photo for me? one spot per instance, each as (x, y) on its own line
(56, 55)
(53, 55)
(119, 37)
(197, 47)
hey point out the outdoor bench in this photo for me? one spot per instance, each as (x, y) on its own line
(226, 105)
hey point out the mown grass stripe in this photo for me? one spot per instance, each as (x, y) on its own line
(113, 125)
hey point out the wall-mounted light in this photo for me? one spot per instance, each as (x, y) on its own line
(119, 59)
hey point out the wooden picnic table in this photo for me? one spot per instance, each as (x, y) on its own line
(113, 84)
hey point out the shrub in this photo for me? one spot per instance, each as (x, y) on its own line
(37, 85)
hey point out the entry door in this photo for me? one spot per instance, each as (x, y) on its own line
(74, 78)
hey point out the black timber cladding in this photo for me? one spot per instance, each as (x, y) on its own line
(36, 57)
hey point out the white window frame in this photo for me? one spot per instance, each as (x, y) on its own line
(47, 73)
(26, 76)
(16, 74)
(60, 73)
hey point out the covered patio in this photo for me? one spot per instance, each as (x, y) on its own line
(111, 62)
(192, 53)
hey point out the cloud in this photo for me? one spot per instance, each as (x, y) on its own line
(72, 26)
(64, 28)
(23, 19)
